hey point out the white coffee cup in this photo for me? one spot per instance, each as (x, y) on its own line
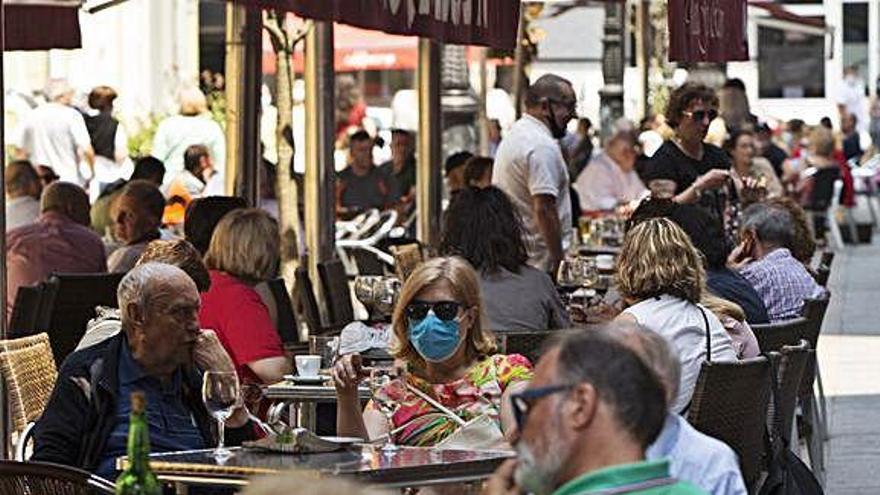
(308, 365)
(605, 262)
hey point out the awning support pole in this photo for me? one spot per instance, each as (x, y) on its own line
(429, 177)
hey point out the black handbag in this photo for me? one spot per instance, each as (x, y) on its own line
(786, 473)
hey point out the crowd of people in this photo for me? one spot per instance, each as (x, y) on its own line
(717, 240)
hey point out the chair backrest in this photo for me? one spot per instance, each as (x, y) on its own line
(337, 293)
(406, 258)
(826, 258)
(76, 297)
(287, 325)
(792, 362)
(529, 344)
(814, 312)
(306, 303)
(730, 403)
(29, 372)
(320, 346)
(23, 320)
(821, 275)
(773, 336)
(45, 478)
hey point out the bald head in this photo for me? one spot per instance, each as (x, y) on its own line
(67, 199)
(548, 86)
(22, 180)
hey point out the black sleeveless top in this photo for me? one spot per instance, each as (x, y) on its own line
(102, 130)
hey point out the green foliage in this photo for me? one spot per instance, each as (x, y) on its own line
(140, 143)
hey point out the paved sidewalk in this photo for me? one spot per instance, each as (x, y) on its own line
(849, 352)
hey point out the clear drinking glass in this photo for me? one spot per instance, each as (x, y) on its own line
(380, 377)
(222, 394)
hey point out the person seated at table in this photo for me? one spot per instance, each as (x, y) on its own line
(693, 456)
(482, 226)
(610, 179)
(146, 168)
(660, 277)
(244, 252)
(160, 352)
(782, 281)
(706, 236)
(23, 190)
(449, 358)
(137, 217)
(361, 185)
(178, 253)
(203, 215)
(747, 167)
(584, 423)
(803, 245)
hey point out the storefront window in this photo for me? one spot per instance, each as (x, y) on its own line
(791, 64)
(855, 37)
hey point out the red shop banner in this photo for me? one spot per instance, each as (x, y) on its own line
(708, 30)
(466, 22)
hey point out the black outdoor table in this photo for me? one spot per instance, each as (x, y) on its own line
(408, 466)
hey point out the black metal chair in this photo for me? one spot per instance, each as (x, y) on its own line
(774, 336)
(73, 305)
(791, 361)
(306, 303)
(528, 343)
(287, 329)
(730, 403)
(814, 412)
(25, 311)
(44, 478)
(337, 293)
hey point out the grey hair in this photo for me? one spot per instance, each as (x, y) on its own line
(546, 86)
(654, 349)
(134, 286)
(773, 226)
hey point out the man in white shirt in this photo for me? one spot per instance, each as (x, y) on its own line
(851, 97)
(529, 167)
(23, 191)
(610, 179)
(55, 135)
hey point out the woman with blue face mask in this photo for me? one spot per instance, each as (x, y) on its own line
(449, 360)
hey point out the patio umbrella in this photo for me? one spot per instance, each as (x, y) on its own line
(41, 24)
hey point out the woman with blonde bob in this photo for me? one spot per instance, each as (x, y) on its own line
(448, 357)
(244, 252)
(660, 276)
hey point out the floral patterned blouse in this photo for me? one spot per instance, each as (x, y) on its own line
(477, 392)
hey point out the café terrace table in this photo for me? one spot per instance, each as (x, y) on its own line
(408, 466)
(303, 399)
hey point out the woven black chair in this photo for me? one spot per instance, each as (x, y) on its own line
(730, 403)
(773, 336)
(337, 293)
(791, 361)
(826, 259)
(306, 304)
(43, 478)
(528, 343)
(814, 412)
(287, 324)
(823, 273)
(75, 299)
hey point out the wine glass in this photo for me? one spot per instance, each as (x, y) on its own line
(379, 378)
(221, 394)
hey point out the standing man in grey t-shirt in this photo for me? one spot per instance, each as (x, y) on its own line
(529, 167)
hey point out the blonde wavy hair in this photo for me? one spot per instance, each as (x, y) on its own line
(245, 244)
(658, 258)
(462, 281)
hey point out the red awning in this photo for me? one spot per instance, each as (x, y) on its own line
(465, 22)
(41, 24)
(707, 30)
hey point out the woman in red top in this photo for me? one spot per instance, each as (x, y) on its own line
(244, 252)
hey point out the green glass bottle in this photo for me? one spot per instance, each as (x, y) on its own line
(138, 478)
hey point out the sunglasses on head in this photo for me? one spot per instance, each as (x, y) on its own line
(445, 310)
(699, 115)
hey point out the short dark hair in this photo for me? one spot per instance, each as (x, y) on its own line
(730, 142)
(546, 86)
(735, 83)
(360, 135)
(826, 123)
(683, 95)
(620, 377)
(203, 215)
(482, 226)
(101, 98)
(147, 195)
(192, 157)
(20, 177)
(774, 226)
(476, 167)
(149, 168)
(456, 160)
(703, 231)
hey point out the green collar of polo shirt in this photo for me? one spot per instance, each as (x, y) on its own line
(615, 476)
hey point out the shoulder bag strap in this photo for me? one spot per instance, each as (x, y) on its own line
(427, 398)
(708, 334)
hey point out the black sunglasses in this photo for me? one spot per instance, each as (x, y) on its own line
(523, 401)
(445, 310)
(699, 115)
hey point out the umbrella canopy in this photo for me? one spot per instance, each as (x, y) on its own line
(468, 22)
(41, 24)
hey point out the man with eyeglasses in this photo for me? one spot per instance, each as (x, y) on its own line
(584, 422)
(530, 169)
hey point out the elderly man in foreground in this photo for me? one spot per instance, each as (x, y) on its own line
(160, 351)
(585, 420)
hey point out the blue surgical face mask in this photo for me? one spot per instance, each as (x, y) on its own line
(435, 340)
